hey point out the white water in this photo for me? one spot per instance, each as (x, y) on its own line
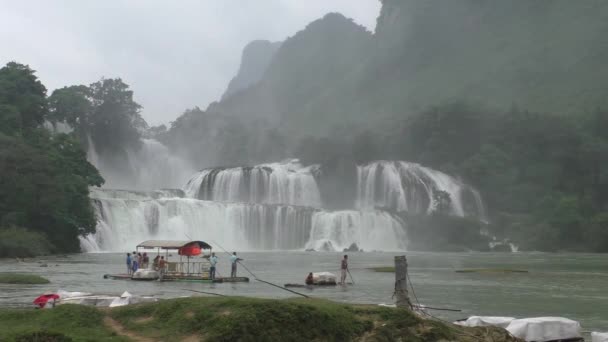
(271, 207)
(405, 186)
(277, 183)
(152, 166)
(127, 218)
(370, 230)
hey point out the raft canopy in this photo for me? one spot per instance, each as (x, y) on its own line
(173, 244)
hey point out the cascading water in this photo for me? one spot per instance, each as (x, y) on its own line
(370, 230)
(151, 166)
(127, 218)
(278, 183)
(276, 206)
(405, 186)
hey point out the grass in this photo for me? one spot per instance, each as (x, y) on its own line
(490, 270)
(387, 269)
(17, 278)
(65, 323)
(233, 319)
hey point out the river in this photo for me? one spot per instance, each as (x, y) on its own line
(568, 285)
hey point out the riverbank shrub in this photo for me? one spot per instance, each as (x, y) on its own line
(17, 278)
(21, 243)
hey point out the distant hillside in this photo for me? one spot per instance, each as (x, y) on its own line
(542, 55)
(303, 74)
(256, 57)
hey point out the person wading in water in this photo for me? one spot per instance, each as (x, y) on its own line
(344, 269)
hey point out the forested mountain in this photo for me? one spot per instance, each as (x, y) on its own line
(509, 96)
(256, 57)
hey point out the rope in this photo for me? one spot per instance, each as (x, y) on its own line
(456, 327)
(258, 279)
(209, 293)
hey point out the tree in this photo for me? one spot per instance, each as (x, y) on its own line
(45, 178)
(20, 88)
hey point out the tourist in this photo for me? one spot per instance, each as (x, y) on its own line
(135, 265)
(128, 263)
(233, 260)
(146, 261)
(309, 280)
(162, 266)
(155, 262)
(140, 259)
(344, 269)
(213, 262)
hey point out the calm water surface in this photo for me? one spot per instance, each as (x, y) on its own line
(568, 285)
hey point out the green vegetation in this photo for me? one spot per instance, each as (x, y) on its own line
(66, 322)
(237, 319)
(490, 270)
(17, 278)
(387, 269)
(44, 202)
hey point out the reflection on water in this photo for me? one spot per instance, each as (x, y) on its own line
(569, 285)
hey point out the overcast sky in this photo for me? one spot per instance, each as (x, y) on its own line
(174, 54)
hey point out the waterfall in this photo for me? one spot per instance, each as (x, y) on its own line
(150, 166)
(125, 218)
(405, 186)
(277, 183)
(370, 230)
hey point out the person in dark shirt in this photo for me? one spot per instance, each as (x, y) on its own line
(344, 269)
(309, 280)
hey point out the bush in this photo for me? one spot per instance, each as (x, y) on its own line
(21, 243)
(16, 278)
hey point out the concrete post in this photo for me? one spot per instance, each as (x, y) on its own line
(401, 295)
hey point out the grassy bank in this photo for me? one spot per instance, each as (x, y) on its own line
(235, 319)
(17, 278)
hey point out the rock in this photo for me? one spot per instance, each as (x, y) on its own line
(44, 265)
(310, 250)
(353, 248)
(327, 247)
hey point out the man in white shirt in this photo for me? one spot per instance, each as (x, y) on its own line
(213, 262)
(233, 260)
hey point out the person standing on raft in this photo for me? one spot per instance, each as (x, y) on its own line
(344, 269)
(213, 262)
(129, 263)
(233, 260)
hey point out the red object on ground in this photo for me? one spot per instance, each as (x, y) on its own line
(190, 251)
(42, 300)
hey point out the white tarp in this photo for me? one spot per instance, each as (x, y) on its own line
(544, 328)
(485, 321)
(323, 278)
(145, 274)
(599, 337)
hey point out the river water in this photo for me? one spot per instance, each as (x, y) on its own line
(567, 285)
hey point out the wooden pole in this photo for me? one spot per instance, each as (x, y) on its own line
(401, 295)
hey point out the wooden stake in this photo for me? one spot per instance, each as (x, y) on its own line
(401, 295)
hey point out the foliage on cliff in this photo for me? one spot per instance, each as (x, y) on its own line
(44, 202)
